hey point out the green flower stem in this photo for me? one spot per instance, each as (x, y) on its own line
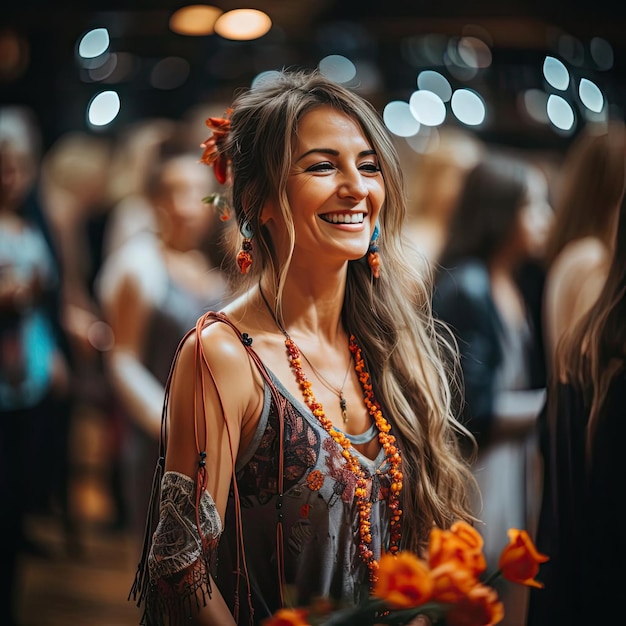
(369, 614)
(433, 610)
(356, 616)
(492, 577)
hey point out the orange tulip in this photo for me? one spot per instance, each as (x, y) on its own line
(481, 607)
(468, 533)
(403, 581)
(461, 546)
(451, 583)
(520, 559)
(287, 617)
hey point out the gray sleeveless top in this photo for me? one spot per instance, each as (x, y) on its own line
(317, 550)
(319, 514)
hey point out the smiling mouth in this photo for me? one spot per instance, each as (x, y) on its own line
(343, 218)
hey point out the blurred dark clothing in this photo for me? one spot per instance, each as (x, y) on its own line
(531, 278)
(462, 299)
(580, 509)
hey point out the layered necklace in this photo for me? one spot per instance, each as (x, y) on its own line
(386, 439)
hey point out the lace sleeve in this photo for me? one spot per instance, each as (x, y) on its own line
(182, 553)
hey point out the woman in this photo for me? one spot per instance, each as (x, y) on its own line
(34, 377)
(313, 412)
(578, 251)
(584, 468)
(499, 225)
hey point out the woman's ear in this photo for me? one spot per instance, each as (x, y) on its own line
(269, 211)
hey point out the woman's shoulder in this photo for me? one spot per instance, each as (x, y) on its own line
(468, 277)
(136, 263)
(583, 254)
(217, 355)
(575, 278)
(218, 339)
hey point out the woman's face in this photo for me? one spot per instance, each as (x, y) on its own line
(185, 220)
(17, 173)
(335, 190)
(536, 216)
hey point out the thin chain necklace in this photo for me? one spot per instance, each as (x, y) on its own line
(343, 405)
(386, 439)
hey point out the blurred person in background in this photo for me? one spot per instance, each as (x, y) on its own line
(434, 184)
(74, 191)
(500, 222)
(152, 289)
(579, 247)
(75, 180)
(584, 464)
(137, 146)
(33, 367)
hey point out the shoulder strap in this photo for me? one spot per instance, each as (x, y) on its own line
(200, 428)
(280, 404)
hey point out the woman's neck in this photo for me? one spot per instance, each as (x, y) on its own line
(309, 307)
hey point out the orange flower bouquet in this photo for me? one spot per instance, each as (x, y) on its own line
(445, 587)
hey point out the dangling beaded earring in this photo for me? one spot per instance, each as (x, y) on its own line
(373, 258)
(244, 256)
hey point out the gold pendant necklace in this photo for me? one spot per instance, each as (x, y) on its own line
(343, 405)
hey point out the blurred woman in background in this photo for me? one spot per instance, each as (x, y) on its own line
(584, 465)
(33, 367)
(579, 248)
(152, 289)
(500, 222)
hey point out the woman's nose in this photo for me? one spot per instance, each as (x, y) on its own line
(353, 186)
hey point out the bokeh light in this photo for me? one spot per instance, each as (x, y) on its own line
(243, 24)
(103, 108)
(427, 107)
(195, 20)
(399, 119)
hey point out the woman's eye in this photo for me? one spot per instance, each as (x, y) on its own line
(370, 167)
(320, 167)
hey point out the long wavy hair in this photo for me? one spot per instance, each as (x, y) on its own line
(592, 180)
(594, 351)
(391, 316)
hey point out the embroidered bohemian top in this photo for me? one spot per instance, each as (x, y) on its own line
(320, 521)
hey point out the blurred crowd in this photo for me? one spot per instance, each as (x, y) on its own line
(108, 255)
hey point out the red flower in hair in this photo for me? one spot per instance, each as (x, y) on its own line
(212, 155)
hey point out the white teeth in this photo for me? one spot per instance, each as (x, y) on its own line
(343, 218)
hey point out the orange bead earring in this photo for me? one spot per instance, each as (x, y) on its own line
(244, 256)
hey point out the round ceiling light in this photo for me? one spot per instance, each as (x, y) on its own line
(243, 24)
(195, 19)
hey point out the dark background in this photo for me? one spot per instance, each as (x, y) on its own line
(379, 33)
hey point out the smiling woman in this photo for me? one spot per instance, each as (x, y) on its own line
(281, 473)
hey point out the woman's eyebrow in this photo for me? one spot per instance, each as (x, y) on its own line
(332, 152)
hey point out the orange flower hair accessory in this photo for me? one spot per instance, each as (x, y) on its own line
(213, 155)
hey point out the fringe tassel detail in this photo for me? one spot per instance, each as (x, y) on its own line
(140, 585)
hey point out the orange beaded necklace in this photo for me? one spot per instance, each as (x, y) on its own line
(387, 441)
